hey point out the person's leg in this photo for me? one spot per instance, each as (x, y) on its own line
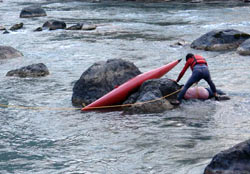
(208, 79)
(195, 77)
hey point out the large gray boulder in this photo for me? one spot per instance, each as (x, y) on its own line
(235, 160)
(153, 96)
(244, 48)
(101, 78)
(7, 52)
(34, 70)
(54, 25)
(220, 40)
(29, 12)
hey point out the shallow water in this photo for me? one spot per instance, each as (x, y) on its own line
(58, 139)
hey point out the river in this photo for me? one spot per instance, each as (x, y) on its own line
(58, 139)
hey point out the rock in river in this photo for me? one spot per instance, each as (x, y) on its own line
(54, 25)
(244, 48)
(29, 12)
(101, 78)
(220, 40)
(34, 70)
(7, 52)
(153, 96)
(235, 160)
(16, 27)
(80, 26)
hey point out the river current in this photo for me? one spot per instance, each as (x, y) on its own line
(58, 139)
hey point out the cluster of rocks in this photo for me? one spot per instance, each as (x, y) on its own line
(102, 77)
(33, 11)
(34, 70)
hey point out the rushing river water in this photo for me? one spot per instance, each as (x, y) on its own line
(56, 139)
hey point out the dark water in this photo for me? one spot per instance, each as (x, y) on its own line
(56, 138)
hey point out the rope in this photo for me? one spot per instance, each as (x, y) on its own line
(133, 104)
(37, 108)
(100, 107)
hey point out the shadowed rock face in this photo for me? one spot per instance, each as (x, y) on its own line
(220, 40)
(7, 52)
(30, 12)
(235, 160)
(101, 78)
(34, 70)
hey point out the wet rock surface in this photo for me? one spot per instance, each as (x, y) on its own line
(244, 48)
(54, 25)
(220, 40)
(16, 27)
(235, 160)
(101, 78)
(29, 12)
(7, 52)
(153, 96)
(34, 70)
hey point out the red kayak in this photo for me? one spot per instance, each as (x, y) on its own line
(120, 93)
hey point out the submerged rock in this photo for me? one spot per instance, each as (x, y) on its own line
(153, 96)
(7, 52)
(244, 48)
(2, 28)
(54, 25)
(101, 78)
(82, 27)
(89, 27)
(16, 27)
(235, 160)
(75, 27)
(34, 70)
(30, 12)
(220, 40)
(6, 32)
(39, 29)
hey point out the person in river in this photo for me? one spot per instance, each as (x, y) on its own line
(199, 92)
(200, 71)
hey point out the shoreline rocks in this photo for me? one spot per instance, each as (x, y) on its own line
(235, 160)
(7, 52)
(34, 70)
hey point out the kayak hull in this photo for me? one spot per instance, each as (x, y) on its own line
(120, 93)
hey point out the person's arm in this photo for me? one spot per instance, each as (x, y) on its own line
(183, 71)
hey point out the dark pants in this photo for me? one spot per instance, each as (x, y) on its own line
(199, 72)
